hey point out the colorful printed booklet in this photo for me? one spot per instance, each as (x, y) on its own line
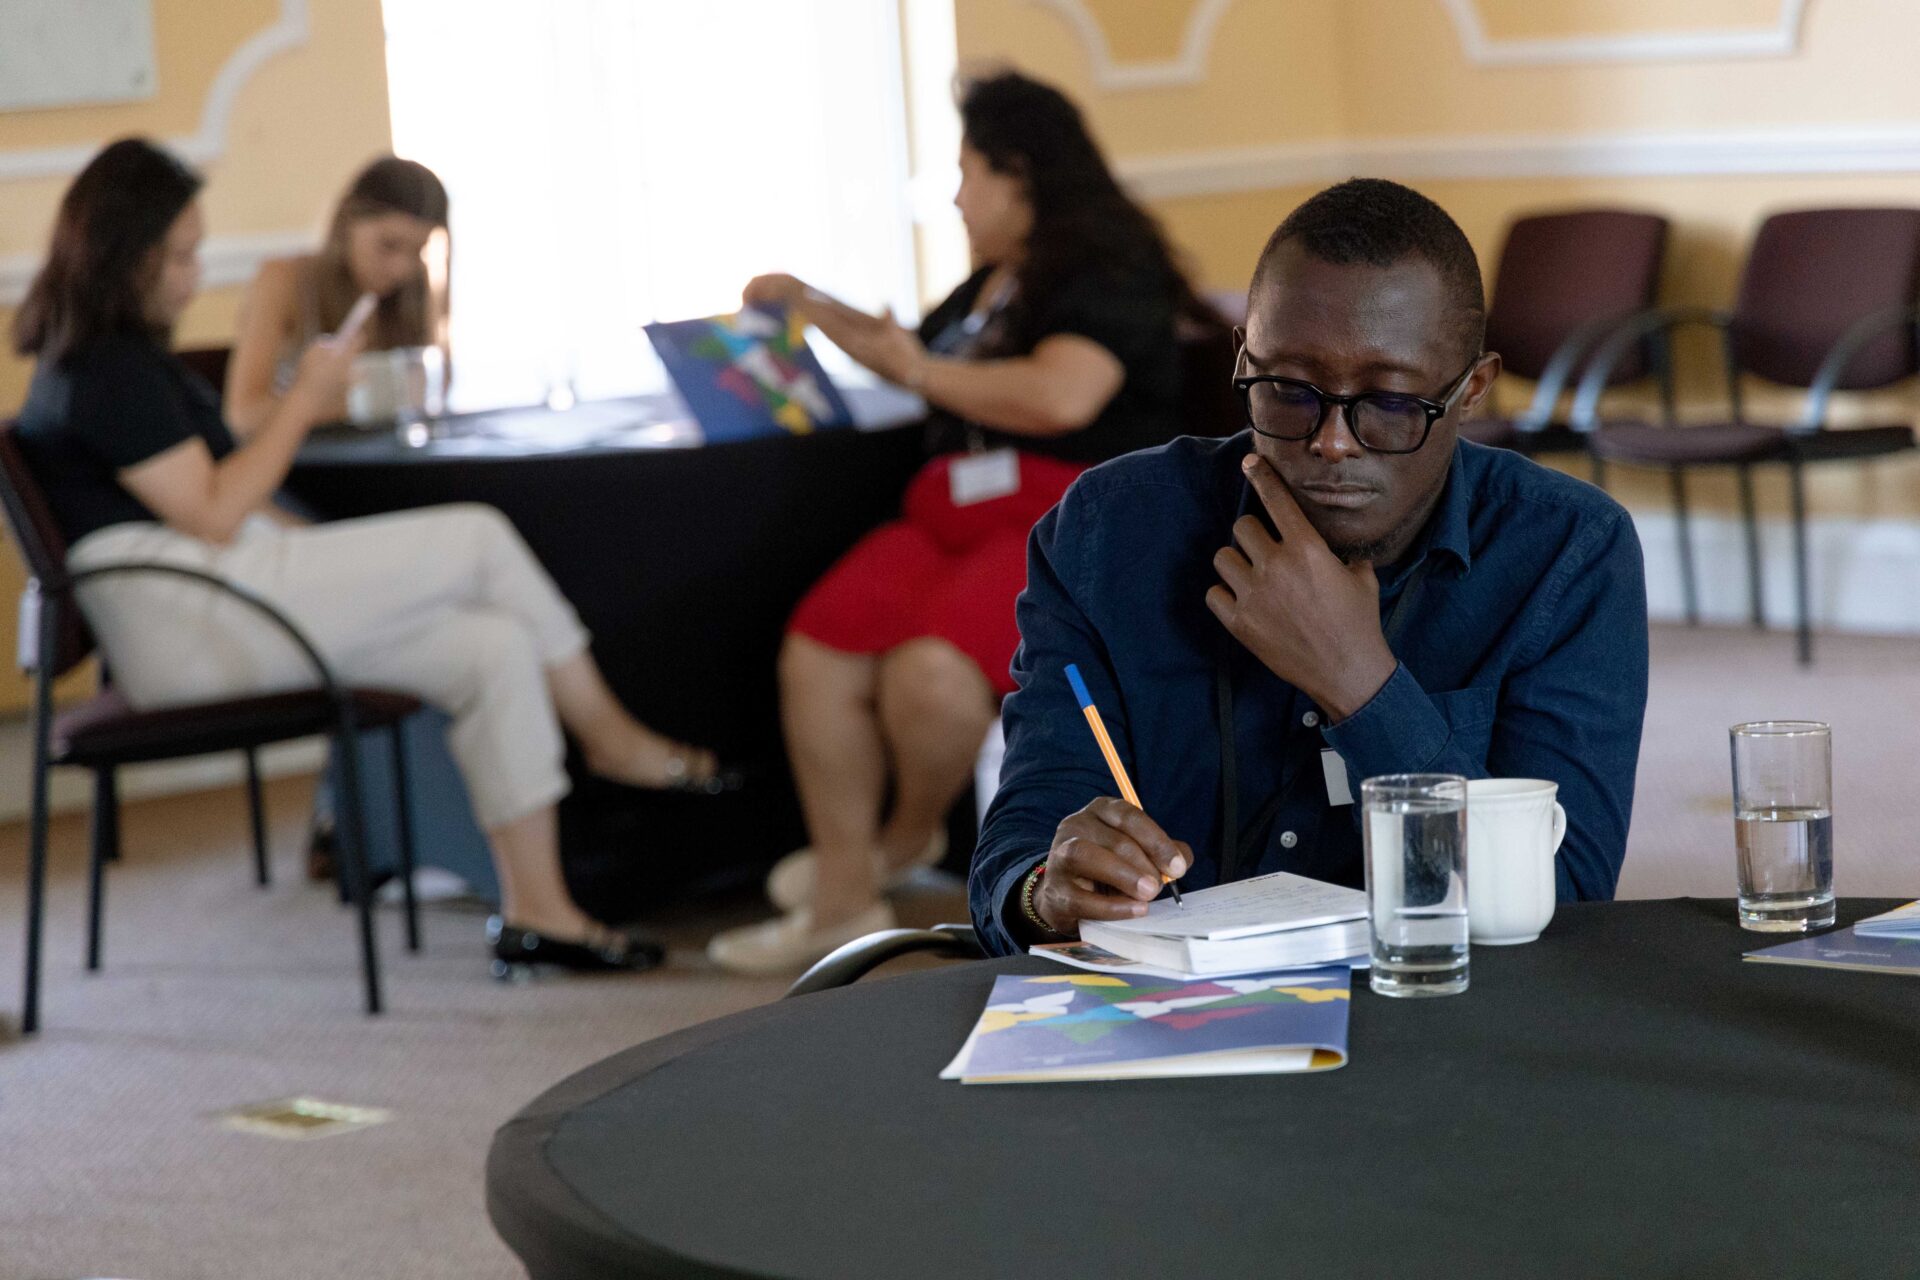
(749, 374)
(1848, 949)
(1089, 1026)
(1901, 922)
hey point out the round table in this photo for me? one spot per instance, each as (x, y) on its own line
(1623, 1097)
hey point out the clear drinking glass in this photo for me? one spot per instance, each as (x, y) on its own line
(1415, 829)
(1783, 824)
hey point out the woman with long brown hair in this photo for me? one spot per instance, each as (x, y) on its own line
(388, 238)
(444, 602)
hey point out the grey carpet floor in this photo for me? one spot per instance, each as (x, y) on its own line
(218, 994)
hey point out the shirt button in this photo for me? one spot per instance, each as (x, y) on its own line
(1310, 719)
(1288, 839)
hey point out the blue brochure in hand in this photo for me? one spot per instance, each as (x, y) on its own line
(1091, 1026)
(749, 374)
(1847, 949)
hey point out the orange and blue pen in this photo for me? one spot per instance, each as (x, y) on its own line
(1101, 736)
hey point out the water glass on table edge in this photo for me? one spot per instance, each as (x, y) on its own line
(1783, 824)
(1414, 831)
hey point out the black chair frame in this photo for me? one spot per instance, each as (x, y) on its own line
(1806, 442)
(50, 600)
(860, 957)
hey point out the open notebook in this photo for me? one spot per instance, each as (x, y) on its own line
(1088, 1026)
(1269, 922)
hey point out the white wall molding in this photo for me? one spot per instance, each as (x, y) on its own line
(1780, 40)
(225, 261)
(1880, 148)
(1862, 579)
(1707, 44)
(208, 142)
(1187, 67)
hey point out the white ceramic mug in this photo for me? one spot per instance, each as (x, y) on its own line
(1514, 829)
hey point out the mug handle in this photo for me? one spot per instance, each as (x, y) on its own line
(1559, 825)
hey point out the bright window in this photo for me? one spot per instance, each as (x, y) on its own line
(613, 162)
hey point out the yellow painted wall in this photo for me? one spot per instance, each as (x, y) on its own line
(1328, 73)
(300, 127)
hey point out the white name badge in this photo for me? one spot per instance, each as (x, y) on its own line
(1338, 792)
(979, 477)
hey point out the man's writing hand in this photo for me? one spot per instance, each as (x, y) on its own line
(1105, 864)
(1314, 621)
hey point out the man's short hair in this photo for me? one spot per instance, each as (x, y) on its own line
(1379, 223)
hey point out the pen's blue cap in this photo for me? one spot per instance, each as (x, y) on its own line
(1079, 687)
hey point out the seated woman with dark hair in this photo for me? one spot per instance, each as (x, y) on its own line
(1056, 353)
(446, 602)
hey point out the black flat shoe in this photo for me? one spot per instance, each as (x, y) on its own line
(516, 951)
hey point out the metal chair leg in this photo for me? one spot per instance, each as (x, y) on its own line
(1688, 591)
(37, 820)
(404, 815)
(1796, 486)
(105, 849)
(351, 832)
(1751, 519)
(257, 812)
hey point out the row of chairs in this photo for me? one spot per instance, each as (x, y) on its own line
(1826, 303)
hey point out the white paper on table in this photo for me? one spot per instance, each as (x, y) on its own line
(1245, 908)
(1096, 959)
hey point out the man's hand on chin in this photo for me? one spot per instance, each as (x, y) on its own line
(1314, 621)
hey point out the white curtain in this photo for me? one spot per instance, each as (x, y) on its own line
(612, 162)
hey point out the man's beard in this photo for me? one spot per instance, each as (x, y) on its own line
(1355, 552)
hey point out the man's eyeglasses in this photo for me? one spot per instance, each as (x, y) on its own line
(1382, 421)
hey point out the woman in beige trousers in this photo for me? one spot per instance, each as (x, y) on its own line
(445, 603)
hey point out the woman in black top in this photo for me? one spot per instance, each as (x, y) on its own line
(1057, 353)
(446, 603)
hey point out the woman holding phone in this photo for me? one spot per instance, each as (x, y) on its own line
(386, 251)
(444, 602)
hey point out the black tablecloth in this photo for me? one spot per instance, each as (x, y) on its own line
(1624, 1097)
(685, 564)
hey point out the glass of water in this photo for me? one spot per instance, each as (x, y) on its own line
(1415, 829)
(1783, 824)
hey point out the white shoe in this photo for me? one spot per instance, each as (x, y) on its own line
(790, 883)
(788, 943)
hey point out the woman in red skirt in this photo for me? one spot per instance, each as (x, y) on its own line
(1057, 353)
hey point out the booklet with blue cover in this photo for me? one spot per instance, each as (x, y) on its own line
(1848, 949)
(749, 374)
(1091, 1026)
(1901, 922)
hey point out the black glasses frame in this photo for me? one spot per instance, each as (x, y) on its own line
(1434, 409)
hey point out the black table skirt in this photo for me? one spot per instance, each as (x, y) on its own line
(684, 563)
(1623, 1098)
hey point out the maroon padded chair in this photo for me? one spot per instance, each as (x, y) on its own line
(1564, 282)
(1209, 406)
(105, 732)
(1826, 304)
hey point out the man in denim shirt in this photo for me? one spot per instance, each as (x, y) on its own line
(1346, 585)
